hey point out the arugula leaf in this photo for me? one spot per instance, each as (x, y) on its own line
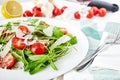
(31, 65)
(32, 22)
(36, 57)
(20, 55)
(38, 68)
(27, 52)
(9, 26)
(37, 34)
(34, 66)
(57, 32)
(16, 23)
(3, 38)
(53, 65)
(41, 26)
(73, 39)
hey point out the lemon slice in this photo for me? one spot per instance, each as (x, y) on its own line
(11, 9)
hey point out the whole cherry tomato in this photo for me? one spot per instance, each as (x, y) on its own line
(95, 10)
(37, 13)
(102, 12)
(77, 15)
(35, 8)
(57, 11)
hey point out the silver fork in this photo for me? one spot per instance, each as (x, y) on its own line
(106, 40)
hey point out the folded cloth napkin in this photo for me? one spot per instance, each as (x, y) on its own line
(108, 59)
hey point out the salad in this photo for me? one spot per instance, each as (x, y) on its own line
(34, 43)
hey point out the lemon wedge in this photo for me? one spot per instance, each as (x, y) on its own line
(11, 9)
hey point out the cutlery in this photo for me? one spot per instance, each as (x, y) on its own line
(108, 39)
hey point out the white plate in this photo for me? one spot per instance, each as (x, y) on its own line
(64, 64)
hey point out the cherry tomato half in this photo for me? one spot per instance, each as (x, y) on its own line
(18, 43)
(102, 12)
(24, 29)
(37, 48)
(77, 15)
(8, 61)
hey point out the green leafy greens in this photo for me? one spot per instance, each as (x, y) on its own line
(35, 63)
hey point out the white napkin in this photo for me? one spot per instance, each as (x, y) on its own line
(74, 75)
(109, 59)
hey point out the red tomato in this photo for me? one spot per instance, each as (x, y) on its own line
(35, 8)
(63, 8)
(64, 30)
(102, 12)
(37, 48)
(27, 13)
(37, 13)
(8, 61)
(56, 11)
(95, 10)
(90, 14)
(18, 43)
(24, 29)
(77, 15)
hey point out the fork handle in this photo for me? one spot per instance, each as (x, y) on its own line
(83, 67)
(88, 60)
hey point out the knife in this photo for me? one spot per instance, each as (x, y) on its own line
(103, 4)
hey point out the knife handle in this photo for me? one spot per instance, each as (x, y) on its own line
(103, 4)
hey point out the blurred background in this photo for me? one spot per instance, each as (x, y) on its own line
(1, 1)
